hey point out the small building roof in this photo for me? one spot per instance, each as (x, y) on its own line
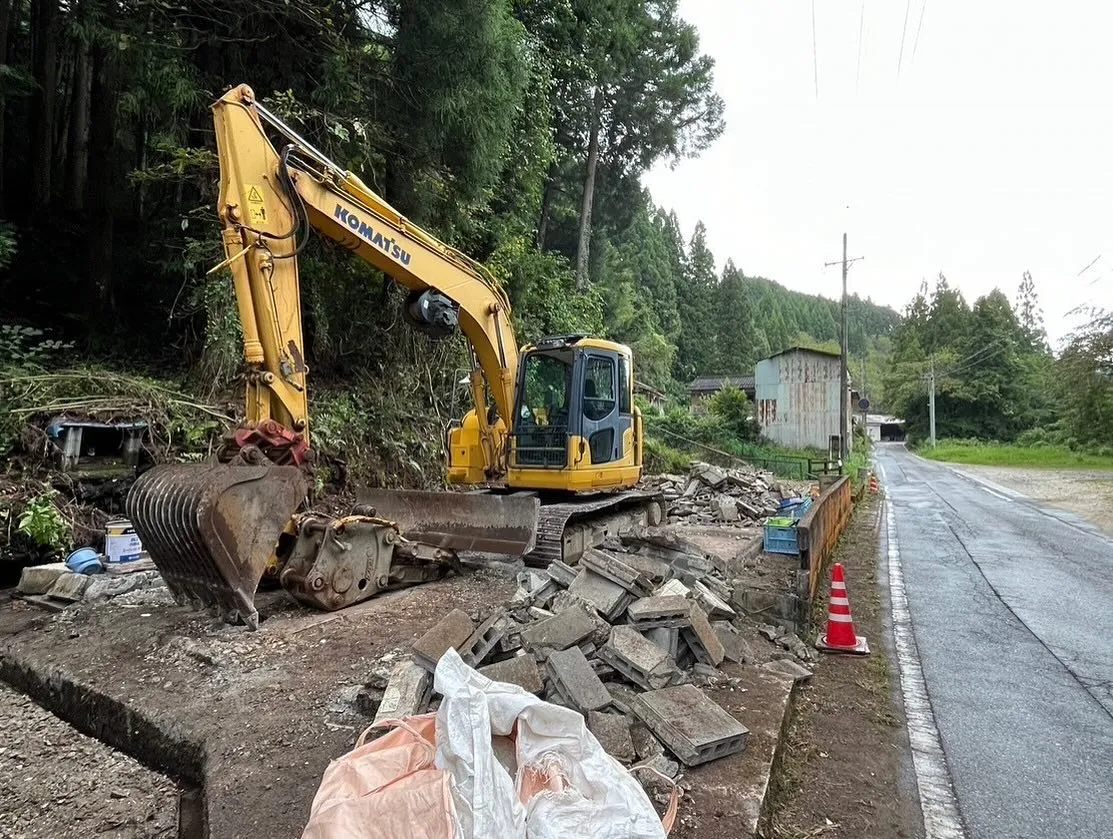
(787, 350)
(704, 384)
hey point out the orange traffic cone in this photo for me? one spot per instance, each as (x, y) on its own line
(874, 487)
(840, 637)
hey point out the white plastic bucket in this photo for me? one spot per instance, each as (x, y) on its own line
(120, 542)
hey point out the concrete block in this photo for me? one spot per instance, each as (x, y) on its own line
(637, 658)
(712, 603)
(561, 631)
(765, 605)
(574, 680)
(725, 508)
(608, 597)
(672, 587)
(613, 733)
(787, 667)
(521, 670)
(670, 610)
(693, 727)
(667, 638)
(561, 574)
(708, 475)
(614, 569)
(654, 570)
(735, 647)
(701, 638)
(69, 587)
(38, 579)
(406, 692)
(104, 586)
(453, 630)
(484, 639)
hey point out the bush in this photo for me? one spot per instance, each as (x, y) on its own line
(733, 407)
(660, 458)
(43, 524)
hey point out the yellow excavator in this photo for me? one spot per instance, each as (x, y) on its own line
(554, 440)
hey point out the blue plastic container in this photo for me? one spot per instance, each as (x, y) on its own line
(84, 561)
(781, 540)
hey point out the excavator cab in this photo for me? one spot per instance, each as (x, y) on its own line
(575, 427)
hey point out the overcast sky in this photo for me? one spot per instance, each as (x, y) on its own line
(988, 154)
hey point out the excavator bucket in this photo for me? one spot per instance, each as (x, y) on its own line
(460, 521)
(212, 529)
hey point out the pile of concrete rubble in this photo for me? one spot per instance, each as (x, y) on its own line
(628, 638)
(55, 586)
(710, 494)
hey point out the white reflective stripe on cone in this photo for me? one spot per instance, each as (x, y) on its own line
(839, 601)
(831, 616)
(838, 586)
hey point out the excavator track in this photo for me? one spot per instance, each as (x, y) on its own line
(554, 540)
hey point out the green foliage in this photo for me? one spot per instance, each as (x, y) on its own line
(662, 459)
(43, 524)
(1032, 453)
(8, 245)
(733, 407)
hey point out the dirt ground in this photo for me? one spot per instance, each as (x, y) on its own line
(1085, 493)
(90, 790)
(845, 771)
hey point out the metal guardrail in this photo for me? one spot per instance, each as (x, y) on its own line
(819, 531)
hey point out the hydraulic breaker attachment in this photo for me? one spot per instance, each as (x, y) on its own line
(460, 521)
(211, 530)
(337, 562)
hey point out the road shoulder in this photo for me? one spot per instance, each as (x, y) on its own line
(847, 768)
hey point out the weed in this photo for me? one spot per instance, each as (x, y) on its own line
(43, 524)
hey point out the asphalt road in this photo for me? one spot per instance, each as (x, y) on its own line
(1012, 611)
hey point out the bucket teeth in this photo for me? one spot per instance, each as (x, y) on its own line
(211, 529)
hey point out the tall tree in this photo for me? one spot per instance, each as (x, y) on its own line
(734, 345)
(696, 344)
(1029, 313)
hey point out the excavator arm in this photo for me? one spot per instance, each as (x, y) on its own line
(214, 530)
(267, 201)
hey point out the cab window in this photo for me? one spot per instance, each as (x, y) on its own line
(599, 387)
(547, 390)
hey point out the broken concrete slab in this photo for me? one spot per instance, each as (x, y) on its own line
(38, 579)
(725, 508)
(575, 681)
(521, 670)
(609, 566)
(701, 638)
(561, 574)
(693, 727)
(406, 692)
(735, 647)
(561, 631)
(608, 597)
(667, 638)
(653, 612)
(708, 475)
(787, 667)
(760, 604)
(613, 733)
(672, 587)
(453, 630)
(638, 659)
(103, 587)
(772, 633)
(712, 603)
(69, 587)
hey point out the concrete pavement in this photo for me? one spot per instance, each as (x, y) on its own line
(1012, 611)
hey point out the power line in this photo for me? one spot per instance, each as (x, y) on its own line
(861, 27)
(815, 55)
(919, 26)
(903, 32)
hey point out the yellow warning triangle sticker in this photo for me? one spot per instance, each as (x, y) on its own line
(254, 196)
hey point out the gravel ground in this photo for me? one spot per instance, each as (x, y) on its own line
(1085, 493)
(56, 782)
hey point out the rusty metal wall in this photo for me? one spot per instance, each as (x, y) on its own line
(797, 396)
(819, 531)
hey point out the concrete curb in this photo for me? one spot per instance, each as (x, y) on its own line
(761, 827)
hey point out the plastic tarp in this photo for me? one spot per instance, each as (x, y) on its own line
(495, 761)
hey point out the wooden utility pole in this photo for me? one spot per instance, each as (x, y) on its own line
(931, 402)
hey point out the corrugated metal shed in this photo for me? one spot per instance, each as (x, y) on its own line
(797, 395)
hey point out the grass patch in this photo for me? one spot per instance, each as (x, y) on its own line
(1010, 454)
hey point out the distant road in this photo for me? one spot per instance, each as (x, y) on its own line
(1011, 605)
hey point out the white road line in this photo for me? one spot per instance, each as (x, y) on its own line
(937, 798)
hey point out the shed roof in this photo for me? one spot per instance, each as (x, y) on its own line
(827, 353)
(713, 383)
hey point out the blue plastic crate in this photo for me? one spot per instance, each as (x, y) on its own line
(781, 540)
(795, 507)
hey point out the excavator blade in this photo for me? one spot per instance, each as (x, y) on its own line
(460, 521)
(211, 529)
